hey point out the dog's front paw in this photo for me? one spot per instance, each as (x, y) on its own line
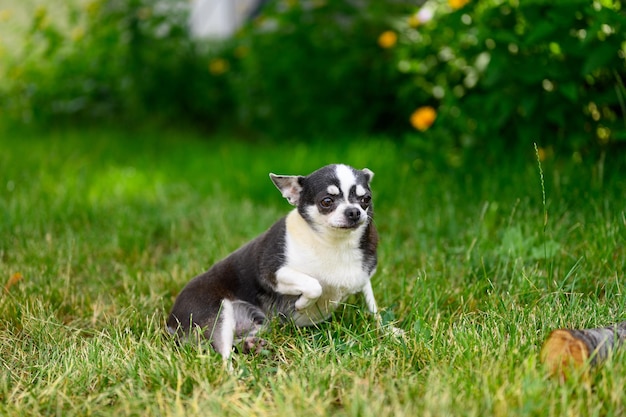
(389, 328)
(395, 331)
(304, 302)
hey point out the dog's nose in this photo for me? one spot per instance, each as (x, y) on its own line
(353, 214)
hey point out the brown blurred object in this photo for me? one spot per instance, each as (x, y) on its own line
(14, 279)
(566, 348)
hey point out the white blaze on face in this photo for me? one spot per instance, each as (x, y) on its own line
(347, 180)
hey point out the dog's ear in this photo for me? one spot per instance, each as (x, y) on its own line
(369, 174)
(289, 186)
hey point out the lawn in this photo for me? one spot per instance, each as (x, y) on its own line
(105, 226)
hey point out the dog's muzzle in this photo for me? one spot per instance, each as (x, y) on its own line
(353, 217)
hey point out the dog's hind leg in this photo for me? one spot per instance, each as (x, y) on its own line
(249, 320)
(223, 333)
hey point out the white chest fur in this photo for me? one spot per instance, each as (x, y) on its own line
(332, 257)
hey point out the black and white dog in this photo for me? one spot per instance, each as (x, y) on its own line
(301, 269)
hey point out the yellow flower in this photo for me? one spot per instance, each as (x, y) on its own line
(241, 51)
(457, 4)
(387, 39)
(5, 15)
(77, 33)
(218, 66)
(423, 118)
(41, 18)
(93, 8)
(424, 15)
(40, 12)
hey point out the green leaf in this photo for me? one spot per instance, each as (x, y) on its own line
(619, 135)
(599, 57)
(569, 90)
(540, 32)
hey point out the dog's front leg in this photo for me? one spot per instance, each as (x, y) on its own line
(292, 282)
(370, 302)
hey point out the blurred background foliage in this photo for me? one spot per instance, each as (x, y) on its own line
(450, 75)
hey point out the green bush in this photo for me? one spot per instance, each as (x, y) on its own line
(300, 68)
(122, 59)
(315, 67)
(509, 73)
(490, 74)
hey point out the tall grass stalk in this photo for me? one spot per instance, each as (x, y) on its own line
(545, 210)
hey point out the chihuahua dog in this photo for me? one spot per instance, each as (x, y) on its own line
(301, 269)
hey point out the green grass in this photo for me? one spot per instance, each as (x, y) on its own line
(107, 226)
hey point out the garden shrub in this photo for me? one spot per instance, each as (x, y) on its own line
(454, 74)
(300, 68)
(315, 67)
(504, 74)
(119, 59)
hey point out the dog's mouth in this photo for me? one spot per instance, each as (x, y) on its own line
(350, 225)
(349, 218)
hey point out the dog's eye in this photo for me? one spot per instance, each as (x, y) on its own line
(365, 201)
(326, 202)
